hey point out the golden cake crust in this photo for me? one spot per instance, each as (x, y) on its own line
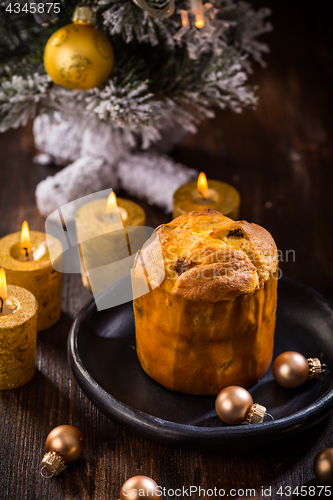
(209, 257)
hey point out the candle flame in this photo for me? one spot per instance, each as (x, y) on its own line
(111, 204)
(25, 235)
(202, 184)
(199, 21)
(3, 284)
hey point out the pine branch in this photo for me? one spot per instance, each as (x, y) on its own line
(154, 80)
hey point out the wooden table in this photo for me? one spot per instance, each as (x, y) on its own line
(280, 158)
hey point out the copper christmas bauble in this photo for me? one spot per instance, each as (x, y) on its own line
(233, 404)
(291, 369)
(68, 441)
(139, 487)
(323, 467)
(79, 56)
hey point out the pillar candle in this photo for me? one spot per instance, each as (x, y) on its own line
(26, 260)
(101, 227)
(18, 331)
(203, 194)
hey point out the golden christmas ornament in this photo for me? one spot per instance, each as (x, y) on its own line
(79, 56)
(137, 487)
(234, 405)
(65, 444)
(323, 467)
(291, 369)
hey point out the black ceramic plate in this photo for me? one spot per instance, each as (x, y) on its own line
(102, 354)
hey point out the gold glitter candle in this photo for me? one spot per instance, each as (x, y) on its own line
(26, 260)
(18, 332)
(203, 194)
(100, 228)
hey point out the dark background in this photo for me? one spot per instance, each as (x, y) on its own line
(280, 158)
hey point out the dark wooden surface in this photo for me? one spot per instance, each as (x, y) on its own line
(280, 158)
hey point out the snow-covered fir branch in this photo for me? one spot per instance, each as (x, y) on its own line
(20, 98)
(156, 79)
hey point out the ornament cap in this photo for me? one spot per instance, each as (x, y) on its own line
(52, 464)
(84, 14)
(315, 368)
(256, 414)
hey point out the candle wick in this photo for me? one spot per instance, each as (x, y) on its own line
(112, 214)
(1, 306)
(26, 251)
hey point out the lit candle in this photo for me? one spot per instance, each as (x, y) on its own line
(197, 9)
(18, 331)
(101, 227)
(114, 208)
(26, 260)
(203, 194)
